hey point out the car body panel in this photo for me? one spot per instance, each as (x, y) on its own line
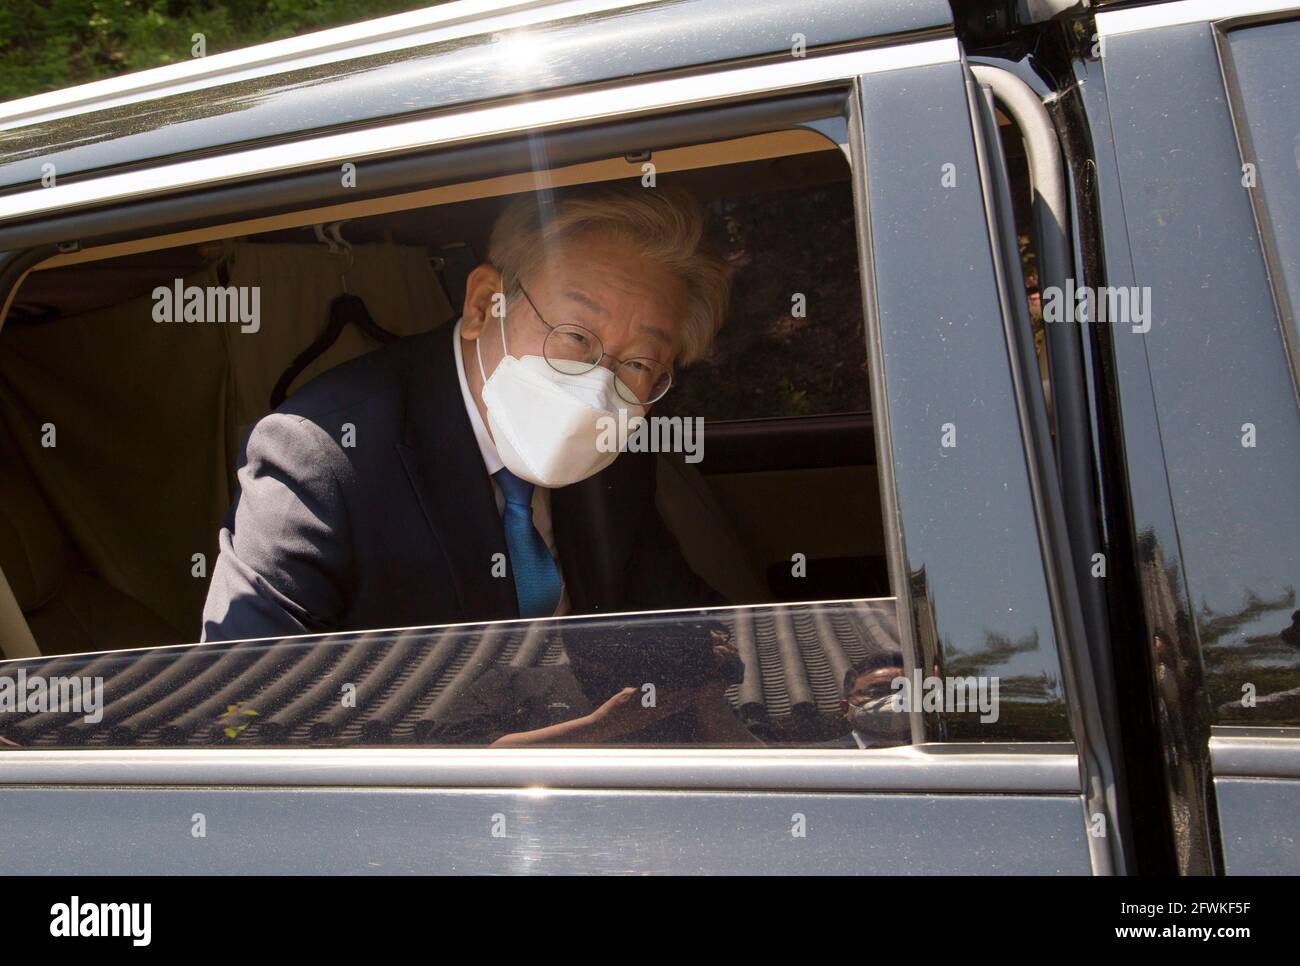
(1216, 531)
(470, 831)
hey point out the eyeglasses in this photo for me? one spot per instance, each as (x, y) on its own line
(861, 699)
(573, 350)
(873, 692)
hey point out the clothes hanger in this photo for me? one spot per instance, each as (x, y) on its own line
(222, 254)
(346, 309)
(352, 306)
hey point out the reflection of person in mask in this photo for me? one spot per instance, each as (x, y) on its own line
(869, 703)
(394, 490)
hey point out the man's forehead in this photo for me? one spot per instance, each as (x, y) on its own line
(582, 298)
(645, 307)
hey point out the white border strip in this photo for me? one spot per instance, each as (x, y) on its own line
(462, 18)
(506, 119)
(1112, 22)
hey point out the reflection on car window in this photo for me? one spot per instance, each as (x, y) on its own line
(1270, 130)
(803, 674)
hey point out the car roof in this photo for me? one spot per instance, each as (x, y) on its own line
(412, 65)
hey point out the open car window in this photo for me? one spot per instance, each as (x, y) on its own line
(161, 400)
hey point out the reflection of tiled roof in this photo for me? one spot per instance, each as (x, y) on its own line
(405, 680)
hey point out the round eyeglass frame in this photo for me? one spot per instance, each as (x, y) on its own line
(620, 386)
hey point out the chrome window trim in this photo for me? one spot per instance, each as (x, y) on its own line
(1128, 20)
(498, 120)
(1255, 753)
(1109, 854)
(430, 25)
(1038, 768)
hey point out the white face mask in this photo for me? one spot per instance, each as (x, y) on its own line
(547, 424)
(878, 718)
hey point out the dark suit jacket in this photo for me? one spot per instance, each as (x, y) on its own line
(363, 502)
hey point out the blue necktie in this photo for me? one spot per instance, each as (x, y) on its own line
(537, 577)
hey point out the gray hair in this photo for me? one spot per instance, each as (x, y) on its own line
(664, 224)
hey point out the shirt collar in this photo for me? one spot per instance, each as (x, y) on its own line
(488, 449)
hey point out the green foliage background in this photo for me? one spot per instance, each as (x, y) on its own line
(49, 44)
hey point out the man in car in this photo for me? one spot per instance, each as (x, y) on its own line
(467, 474)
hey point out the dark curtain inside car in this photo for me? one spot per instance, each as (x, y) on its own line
(147, 415)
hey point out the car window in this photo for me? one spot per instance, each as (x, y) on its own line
(1269, 129)
(1252, 644)
(1226, 578)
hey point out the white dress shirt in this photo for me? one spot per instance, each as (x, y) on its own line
(492, 460)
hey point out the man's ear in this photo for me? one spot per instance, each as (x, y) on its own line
(480, 286)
